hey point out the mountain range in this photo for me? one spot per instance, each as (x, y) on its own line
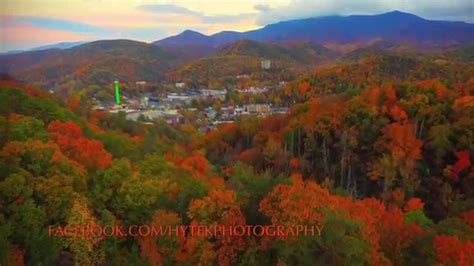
(293, 46)
(396, 26)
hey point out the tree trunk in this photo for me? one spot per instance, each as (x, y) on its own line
(420, 133)
(325, 155)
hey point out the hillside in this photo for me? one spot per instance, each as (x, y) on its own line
(373, 154)
(99, 62)
(244, 58)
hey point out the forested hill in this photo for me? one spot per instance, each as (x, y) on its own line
(99, 62)
(385, 165)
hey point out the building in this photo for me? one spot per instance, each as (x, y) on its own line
(259, 109)
(254, 90)
(144, 102)
(266, 64)
(219, 94)
(180, 85)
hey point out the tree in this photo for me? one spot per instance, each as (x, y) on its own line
(73, 144)
(218, 208)
(451, 251)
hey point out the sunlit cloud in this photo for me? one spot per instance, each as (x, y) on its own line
(51, 23)
(178, 10)
(23, 36)
(150, 20)
(262, 8)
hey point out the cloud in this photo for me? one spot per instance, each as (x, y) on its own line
(51, 24)
(22, 36)
(179, 10)
(262, 8)
(166, 9)
(460, 10)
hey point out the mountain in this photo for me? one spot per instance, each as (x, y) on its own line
(297, 52)
(99, 63)
(243, 58)
(187, 36)
(61, 45)
(396, 26)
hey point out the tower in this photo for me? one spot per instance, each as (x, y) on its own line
(117, 93)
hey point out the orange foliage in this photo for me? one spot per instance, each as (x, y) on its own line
(467, 101)
(149, 249)
(402, 142)
(137, 138)
(220, 208)
(92, 125)
(303, 87)
(73, 102)
(196, 164)
(390, 93)
(398, 113)
(372, 95)
(15, 117)
(217, 182)
(439, 88)
(306, 202)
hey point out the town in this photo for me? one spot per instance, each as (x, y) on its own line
(190, 105)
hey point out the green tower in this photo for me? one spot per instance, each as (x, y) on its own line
(117, 93)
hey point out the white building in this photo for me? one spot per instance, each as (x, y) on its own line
(265, 64)
(180, 85)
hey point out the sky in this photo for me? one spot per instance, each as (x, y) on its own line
(30, 23)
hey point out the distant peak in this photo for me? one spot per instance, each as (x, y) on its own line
(399, 13)
(191, 32)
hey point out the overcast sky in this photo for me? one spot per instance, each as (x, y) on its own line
(29, 23)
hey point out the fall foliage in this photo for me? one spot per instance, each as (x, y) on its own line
(377, 153)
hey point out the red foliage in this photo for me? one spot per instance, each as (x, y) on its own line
(414, 204)
(468, 217)
(66, 129)
(73, 102)
(398, 113)
(249, 156)
(396, 235)
(73, 144)
(17, 256)
(397, 197)
(303, 87)
(452, 251)
(462, 163)
(33, 92)
(294, 162)
(196, 164)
